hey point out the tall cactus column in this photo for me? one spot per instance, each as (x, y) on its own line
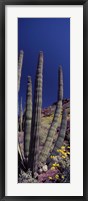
(61, 136)
(60, 83)
(20, 62)
(62, 133)
(21, 115)
(55, 123)
(36, 118)
(28, 118)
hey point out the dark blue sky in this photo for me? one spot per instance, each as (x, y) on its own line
(52, 36)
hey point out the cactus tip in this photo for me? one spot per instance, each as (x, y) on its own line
(41, 52)
(29, 78)
(60, 67)
(21, 52)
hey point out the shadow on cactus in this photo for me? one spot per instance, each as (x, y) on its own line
(47, 162)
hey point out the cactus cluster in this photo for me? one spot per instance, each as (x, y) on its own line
(32, 124)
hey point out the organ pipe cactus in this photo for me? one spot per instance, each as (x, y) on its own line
(20, 153)
(60, 80)
(61, 135)
(52, 131)
(20, 160)
(21, 116)
(36, 117)
(55, 123)
(28, 117)
(20, 62)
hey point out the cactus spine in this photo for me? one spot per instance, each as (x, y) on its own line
(28, 117)
(56, 122)
(21, 115)
(36, 117)
(20, 62)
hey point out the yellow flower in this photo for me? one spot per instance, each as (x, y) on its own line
(68, 153)
(57, 165)
(65, 154)
(50, 178)
(51, 156)
(63, 157)
(61, 151)
(63, 147)
(68, 147)
(58, 150)
(52, 168)
(62, 176)
(54, 164)
(57, 176)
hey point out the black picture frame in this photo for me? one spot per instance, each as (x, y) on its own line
(3, 3)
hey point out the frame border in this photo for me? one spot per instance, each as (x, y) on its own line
(2, 97)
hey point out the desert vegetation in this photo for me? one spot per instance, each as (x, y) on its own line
(43, 134)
